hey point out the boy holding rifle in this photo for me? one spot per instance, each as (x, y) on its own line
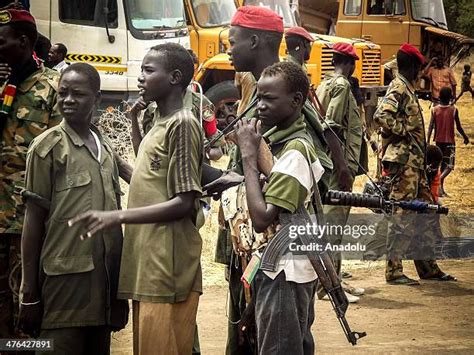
(284, 299)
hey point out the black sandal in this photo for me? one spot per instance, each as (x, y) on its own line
(403, 280)
(442, 276)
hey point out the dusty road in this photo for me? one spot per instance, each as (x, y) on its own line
(435, 317)
(432, 318)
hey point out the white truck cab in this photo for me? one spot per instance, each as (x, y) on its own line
(117, 46)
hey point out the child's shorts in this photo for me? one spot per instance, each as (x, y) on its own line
(449, 154)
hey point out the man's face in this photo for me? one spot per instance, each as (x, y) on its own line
(439, 62)
(76, 100)
(54, 57)
(275, 104)
(240, 53)
(12, 48)
(154, 80)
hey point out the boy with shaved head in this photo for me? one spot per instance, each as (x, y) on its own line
(160, 267)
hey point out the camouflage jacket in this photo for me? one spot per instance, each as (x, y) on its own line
(400, 116)
(34, 111)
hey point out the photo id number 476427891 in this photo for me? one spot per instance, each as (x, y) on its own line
(26, 344)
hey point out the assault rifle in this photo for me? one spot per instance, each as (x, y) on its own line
(229, 128)
(321, 261)
(376, 202)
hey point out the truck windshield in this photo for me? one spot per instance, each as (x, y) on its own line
(429, 11)
(282, 7)
(155, 14)
(212, 13)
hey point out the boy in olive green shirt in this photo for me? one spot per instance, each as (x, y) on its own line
(69, 286)
(160, 268)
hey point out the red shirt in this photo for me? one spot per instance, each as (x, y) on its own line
(444, 123)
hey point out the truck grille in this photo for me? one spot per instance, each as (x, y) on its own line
(371, 67)
(326, 62)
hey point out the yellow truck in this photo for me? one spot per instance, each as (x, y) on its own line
(209, 22)
(389, 23)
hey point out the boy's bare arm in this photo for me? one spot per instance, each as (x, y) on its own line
(138, 106)
(430, 128)
(31, 244)
(125, 169)
(459, 127)
(178, 207)
(344, 176)
(261, 213)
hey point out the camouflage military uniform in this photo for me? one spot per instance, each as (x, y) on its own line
(34, 111)
(404, 147)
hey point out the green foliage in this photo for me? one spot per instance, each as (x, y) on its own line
(460, 15)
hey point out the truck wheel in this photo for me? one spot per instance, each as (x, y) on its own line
(224, 96)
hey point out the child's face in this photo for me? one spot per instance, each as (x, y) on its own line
(275, 104)
(76, 99)
(154, 80)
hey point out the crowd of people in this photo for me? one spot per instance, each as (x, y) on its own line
(68, 269)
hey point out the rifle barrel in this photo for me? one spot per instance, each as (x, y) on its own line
(231, 125)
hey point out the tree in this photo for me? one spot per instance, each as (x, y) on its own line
(460, 15)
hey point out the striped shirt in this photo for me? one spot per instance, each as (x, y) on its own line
(290, 185)
(161, 262)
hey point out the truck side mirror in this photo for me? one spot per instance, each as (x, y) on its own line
(110, 37)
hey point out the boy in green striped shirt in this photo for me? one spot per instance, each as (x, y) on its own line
(284, 299)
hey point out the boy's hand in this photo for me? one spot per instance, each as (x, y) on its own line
(138, 105)
(226, 181)
(95, 221)
(5, 72)
(248, 137)
(29, 319)
(344, 178)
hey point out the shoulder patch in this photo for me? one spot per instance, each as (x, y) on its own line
(45, 142)
(52, 77)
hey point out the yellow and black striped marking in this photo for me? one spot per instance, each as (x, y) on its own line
(93, 58)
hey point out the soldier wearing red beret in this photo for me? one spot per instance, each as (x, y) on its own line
(298, 43)
(343, 132)
(255, 38)
(28, 108)
(404, 147)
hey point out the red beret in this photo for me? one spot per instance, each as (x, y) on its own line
(346, 49)
(258, 18)
(15, 15)
(413, 51)
(299, 31)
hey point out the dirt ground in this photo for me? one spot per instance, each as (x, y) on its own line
(435, 317)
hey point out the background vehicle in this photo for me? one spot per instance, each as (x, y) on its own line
(112, 35)
(388, 23)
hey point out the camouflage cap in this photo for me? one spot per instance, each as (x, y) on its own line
(15, 15)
